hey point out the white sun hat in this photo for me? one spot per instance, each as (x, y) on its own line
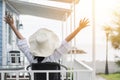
(43, 42)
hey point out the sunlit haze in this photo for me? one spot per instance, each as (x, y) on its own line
(103, 15)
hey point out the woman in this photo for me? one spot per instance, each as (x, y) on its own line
(44, 43)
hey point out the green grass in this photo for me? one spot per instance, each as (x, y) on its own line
(114, 76)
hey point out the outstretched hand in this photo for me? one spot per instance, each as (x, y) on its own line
(9, 19)
(83, 23)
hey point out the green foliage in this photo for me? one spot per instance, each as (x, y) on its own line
(70, 74)
(114, 76)
(117, 60)
(118, 63)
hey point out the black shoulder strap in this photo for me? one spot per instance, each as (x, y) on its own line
(39, 59)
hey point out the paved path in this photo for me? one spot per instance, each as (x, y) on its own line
(99, 78)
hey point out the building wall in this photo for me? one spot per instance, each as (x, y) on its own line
(4, 32)
(100, 66)
(10, 38)
(0, 32)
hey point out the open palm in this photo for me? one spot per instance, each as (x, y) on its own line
(83, 23)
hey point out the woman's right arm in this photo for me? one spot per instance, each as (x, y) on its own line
(82, 24)
(10, 21)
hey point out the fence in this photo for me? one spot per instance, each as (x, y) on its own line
(17, 72)
(29, 75)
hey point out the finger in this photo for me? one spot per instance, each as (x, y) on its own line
(81, 20)
(11, 18)
(86, 20)
(5, 20)
(8, 16)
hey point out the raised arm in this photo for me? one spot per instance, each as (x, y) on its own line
(83, 23)
(10, 21)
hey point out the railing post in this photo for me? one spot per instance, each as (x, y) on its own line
(47, 75)
(17, 76)
(62, 76)
(31, 75)
(2, 76)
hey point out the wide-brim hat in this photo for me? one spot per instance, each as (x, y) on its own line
(43, 42)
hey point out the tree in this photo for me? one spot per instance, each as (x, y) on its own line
(115, 36)
(108, 31)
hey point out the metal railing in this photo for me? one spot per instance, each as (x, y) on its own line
(29, 75)
(13, 72)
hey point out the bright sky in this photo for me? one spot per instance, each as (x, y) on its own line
(103, 12)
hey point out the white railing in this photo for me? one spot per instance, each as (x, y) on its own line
(29, 75)
(13, 72)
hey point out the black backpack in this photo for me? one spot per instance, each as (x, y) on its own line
(46, 66)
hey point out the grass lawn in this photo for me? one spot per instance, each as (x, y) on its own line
(114, 76)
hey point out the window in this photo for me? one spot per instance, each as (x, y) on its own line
(15, 56)
(12, 58)
(18, 58)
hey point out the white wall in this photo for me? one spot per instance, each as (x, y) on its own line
(100, 66)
